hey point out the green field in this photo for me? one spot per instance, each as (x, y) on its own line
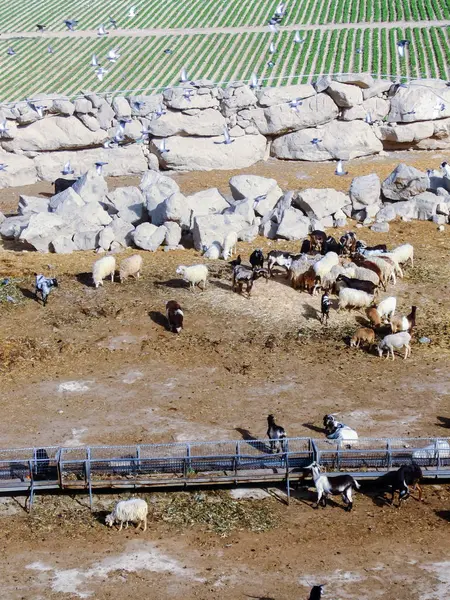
(221, 56)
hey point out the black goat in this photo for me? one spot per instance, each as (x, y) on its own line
(276, 434)
(243, 274)
(237, 261)
(348, 243)
(316, 592)
(318, 238)
(400, 480)
(358, 284)
(306, 247)
(331, 245)
(174, 316)
(257, 258)
(62, 184)
(325, 304)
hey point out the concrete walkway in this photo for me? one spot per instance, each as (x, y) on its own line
(214, 30)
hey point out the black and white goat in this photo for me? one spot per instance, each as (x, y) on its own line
(331, 245)
(362, 248)
(325, 304)
(44, 286)
(348, 243)
(276, 434)
(174, 316)
(400, 480)
(282, 259)
(358, 284)
(244, 275)
(257, 259)
(334, 485)
(335, 430)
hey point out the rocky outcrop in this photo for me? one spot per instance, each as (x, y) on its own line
(404, 183)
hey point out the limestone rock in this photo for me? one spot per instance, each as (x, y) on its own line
(386, 213)
(121, 107)
(42, 229)
(32, 204)
(57, 133)
(174, 208)
(12, 227)
(20, 171)
(365, 190)
(129, 203)
(89, 121)
(426, 204)
(143, 106)
(68, 196)
(280, 95)
(243, 208)
(105, 115)
(207, 122)
(248, 234)
(63, 244)
(175, 98)
(420, 103)
(62, 107)
(86, 240)
(91, 187)
(405, 133)
(380, 227)
(339, 139)
(83, 106)
(123, 231)
(156, 188)
(213, 228)
(106, 238)
(149, 237)
(236, 98)
(206, 154)
(320, 203)
(294, 225)
(404, 183)
(207, 202)
(252, 186)
(173, 234)
(361, 80)
(345, 96)
(376, 89)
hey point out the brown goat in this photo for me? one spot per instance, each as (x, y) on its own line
(373, 316)
(362, 335)
(308, 281)
(367, 264)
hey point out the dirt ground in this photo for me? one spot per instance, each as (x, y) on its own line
(99, 367)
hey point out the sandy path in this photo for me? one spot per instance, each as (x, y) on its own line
(215, 30)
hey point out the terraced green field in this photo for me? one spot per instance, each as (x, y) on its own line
(338, 37)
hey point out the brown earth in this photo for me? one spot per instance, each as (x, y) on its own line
(236, 360)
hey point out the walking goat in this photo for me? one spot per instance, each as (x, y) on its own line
(334, 485)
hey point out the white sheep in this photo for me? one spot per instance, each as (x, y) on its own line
(134, 510)
(395, 341)
(355, 272)
(387, 269)
(194, 275)
(329, 279)
(350, 298)
(440, 448)
(325, 264)
(213, 252)
(102, 268)
(386, 308)
(404, 253)
(229, 245)
(130, 266)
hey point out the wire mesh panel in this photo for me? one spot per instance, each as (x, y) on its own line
(361, 455)
(73, 464)
(426, 452)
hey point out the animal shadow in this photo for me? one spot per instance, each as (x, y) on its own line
(158, 318)
(85, 279)
(444, 422)
(100, 516)
(29, 294)
(245, 433)
(444, 514)
(313, 427)
(221, 284)
(173, 283)
(311, 313)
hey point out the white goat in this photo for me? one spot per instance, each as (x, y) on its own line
(229, 245)
(350, 298)
(134, 510)
(194, 275)
(325, 264)
(404, 253)
(102, 268)
(130, 267)
(386, 308)
(213, 252)
(395, 341)
(355, 272)
(387, 269)
(334, 485)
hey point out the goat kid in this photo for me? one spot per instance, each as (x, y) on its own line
(282, 259)
(325, 304)
(276, 435)
(333, 485)
(44, 286)
(174, 316)
(400, 480)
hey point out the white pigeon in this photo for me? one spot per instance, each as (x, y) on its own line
(39, 109)
(11, 51)
(160, 111)
(145, 132)
(3, 127)
(368, 118)
(162, 147)
(294, 104)
(67, 169)
(297, 38)
(101, 31)
(99, 166)
(113, 55)
(94, 61)
(132, 12)
(101, 72)
(272, 48)
(50, 50)
(3, 167)
(226, 137)
(120, 136)
(401, 46)
(279, 11)
(273, 28)
(340, 169)
(254, 81)
(184, 76)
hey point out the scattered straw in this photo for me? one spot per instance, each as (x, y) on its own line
(10, 292)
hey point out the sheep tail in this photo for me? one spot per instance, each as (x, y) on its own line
(356, 485)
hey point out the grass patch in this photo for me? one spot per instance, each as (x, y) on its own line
(10, 292)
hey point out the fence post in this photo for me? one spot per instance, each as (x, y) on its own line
(288, 485)
(31, 486)
(87, 470)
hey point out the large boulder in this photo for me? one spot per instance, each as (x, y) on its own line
(338, 139)
(213, 228)
(20, 170)
(122, 230)
(319, 203)
(404, 182)
(365, 190)
(173, 234)
(120, 161)
(420, 103)
(121, 107)
(32, 204)
(253, 186)
(129, 203)
(294, 225)
(378, 88)
(375, 108)
(426, 204)
(206, 154)
(285, 93)
(143, 106)
(243, 208)
(361, 80)
(67, 196)
(207, 122)
(207, 202)
(235, 98)
(42, 229)
(174, 208)
(406, 209)
(345, 96)
(177, 99)
(404, 133)
(281, 118)
(91, 187)
(63, 244)
(87, 240)
(149, 237)
(12, 227)
(49, 134)
(156, 188)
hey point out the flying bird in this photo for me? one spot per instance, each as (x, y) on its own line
(101, 31)
(254, 81)
(294, 104)
(359, 50)
(273, 28)
(100, 72)
(71, 24)
(94, 61)
(3, 128)
(39, 109)
(119, 136)
(113, 55)
(184, 76)
(368, 118)
(297, 38)
(315, 141)
(279, 11)
(50, 49)
(137, 104)
(227, 138)
(41, 28)
(3, 167)
(113, 22)
(67, 169)
(167, 51)
(401, 47)
(132, 12)
(162, 147)
(11, 51)
(270, 64)
(99, 166)
(145, 132)
(160, 111)
(272, 48)
(340, 169)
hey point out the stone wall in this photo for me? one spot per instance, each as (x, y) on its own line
(348, 117)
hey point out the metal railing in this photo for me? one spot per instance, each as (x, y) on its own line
(211, 463)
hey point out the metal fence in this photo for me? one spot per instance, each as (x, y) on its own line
(211, 463)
